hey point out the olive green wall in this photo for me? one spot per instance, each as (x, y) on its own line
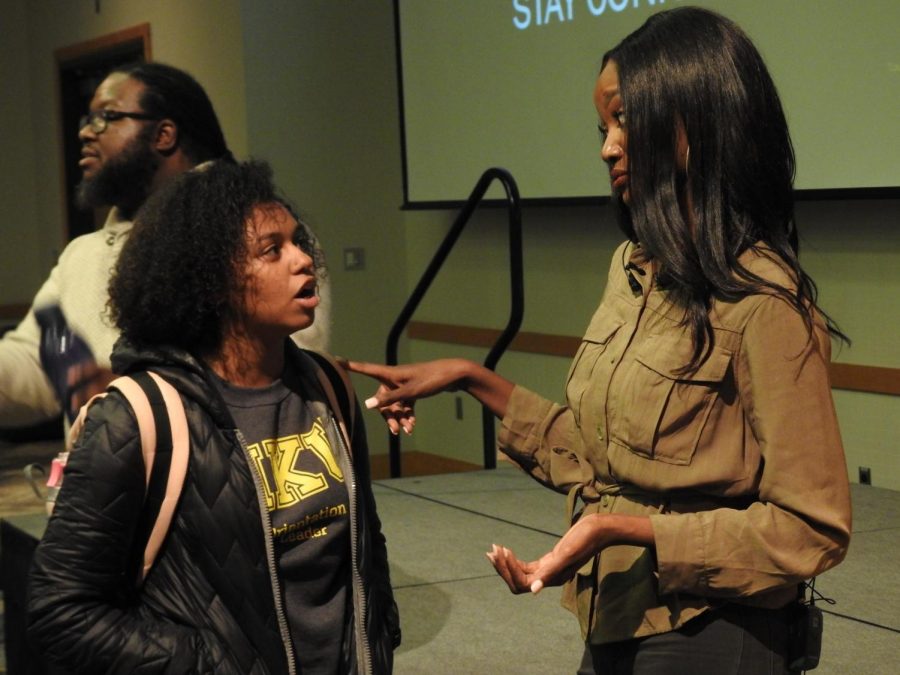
(322, 108)
(201, 36)
(22, 266)
(852, 249)
(311, 87)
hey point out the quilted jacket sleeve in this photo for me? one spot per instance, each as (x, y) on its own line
(83, 609)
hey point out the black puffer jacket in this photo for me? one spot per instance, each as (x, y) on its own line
(210, 604)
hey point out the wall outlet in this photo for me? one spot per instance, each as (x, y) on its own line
(865, 475)
(354, 259)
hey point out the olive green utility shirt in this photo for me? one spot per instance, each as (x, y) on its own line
(739, 463)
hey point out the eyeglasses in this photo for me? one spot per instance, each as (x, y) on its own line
(98, 120)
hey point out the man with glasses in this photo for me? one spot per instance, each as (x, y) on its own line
(147, 123)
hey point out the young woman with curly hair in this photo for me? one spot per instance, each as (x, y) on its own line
(698, 445)
(275, 561)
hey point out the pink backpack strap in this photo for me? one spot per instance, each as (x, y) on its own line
(78, 422)
(177, 419)
(140, 404)
(177, 471)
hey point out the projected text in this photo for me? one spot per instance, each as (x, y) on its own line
(533, 13)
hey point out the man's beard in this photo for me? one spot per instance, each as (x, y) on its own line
(123, 181)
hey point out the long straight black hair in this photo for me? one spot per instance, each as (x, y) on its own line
(692, 71)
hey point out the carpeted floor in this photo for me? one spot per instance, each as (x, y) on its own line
(457, 615)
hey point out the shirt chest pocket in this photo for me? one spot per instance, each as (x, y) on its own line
(586, 366)
(661, 412)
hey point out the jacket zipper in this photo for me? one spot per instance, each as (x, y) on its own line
(270, 557)
(359, 596)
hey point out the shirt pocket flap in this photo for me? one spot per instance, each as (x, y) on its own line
(599, 334)
(667, 357)
(602, 328)
(662, 410)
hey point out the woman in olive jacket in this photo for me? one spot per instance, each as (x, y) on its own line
(698, 445)
(271, 565)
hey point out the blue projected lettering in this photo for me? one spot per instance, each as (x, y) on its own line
(533, 13)
(541, 12)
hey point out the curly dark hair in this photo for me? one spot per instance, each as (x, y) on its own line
(694, 69)
(175, 282)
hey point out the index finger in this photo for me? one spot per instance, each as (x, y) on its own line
(376, 370)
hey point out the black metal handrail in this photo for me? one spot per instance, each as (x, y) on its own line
(517, 307)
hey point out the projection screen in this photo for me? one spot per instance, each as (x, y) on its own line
(508, 83)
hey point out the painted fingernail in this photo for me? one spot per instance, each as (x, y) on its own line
(536, 586)
(371, 402)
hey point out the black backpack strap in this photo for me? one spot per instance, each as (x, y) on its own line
(162, 459)
(165, 446)
(336, 384)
